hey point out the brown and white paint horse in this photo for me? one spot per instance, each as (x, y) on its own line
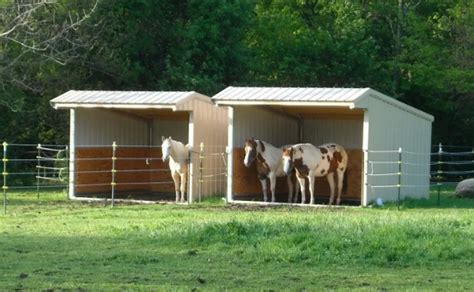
(178, 155)
(269, 165)
(311, 161)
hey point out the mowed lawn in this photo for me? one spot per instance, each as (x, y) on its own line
(52, 243)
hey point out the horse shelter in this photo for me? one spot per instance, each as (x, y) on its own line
(136, 122)
(371, 126)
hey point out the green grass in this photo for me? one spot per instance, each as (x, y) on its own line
(52, 243)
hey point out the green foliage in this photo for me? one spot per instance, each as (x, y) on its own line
(417, 51)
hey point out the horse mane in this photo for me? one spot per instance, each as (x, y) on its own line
(178, 150)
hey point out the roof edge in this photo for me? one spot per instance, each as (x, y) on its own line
(120, 106)
(285, 103)
(394, 102)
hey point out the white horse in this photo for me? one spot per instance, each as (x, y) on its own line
(178, 155)
(311, 161)
(269, 165)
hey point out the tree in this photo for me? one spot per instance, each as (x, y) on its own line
(33, 33)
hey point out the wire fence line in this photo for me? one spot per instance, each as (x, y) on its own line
(119, 169)
(125, 168)
(412, 170)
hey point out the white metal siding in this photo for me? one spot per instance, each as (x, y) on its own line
(178, 130)
(347, 133)
(263, 124)
(390, 128)
(210, 128)
(102, 127)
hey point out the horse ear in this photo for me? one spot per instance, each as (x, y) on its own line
(163, 138)
(170, 138)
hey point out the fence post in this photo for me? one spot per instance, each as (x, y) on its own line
(112, 184)
(440, 156)
(201, 158)
(38, 167)
(5, 174)
(399, 176)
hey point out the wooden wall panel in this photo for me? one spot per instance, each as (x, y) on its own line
(247, 186)
(138, 170)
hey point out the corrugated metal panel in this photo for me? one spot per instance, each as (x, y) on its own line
(347, 133)
(102, 127)
(289, 94)
(263, 124)
(122, 97)
(389, 129)
(178, 130)
(210, 127)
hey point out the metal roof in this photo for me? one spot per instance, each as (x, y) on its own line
(309, 96)
(91, 98)
(290, 94)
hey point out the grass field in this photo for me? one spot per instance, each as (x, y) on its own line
(52, 243)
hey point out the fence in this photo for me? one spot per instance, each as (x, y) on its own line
(116, 169)
(109, 170)
(404, 170)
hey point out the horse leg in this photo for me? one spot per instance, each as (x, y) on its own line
(183, 186)
(330, 177)
(302, 183)
(175, 176)
(290, 188)
(273, 181)
(264, 188)
(340, 180)
(297, 189)
(311, 180)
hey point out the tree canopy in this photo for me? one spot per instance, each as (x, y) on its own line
(418, 51)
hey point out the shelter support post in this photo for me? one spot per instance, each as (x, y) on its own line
(365, 148)
(72, 154)
(230, 149)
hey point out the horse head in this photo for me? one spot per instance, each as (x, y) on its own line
(166, 148)
(250, 152)
(287, 157)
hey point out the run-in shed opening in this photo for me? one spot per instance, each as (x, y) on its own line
(141, 174)
(281, 125)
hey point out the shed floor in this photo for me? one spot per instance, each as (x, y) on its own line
(143, 196)
(283, 198)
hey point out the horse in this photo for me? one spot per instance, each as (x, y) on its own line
(311, 161)
(269, 165)
(178, 155)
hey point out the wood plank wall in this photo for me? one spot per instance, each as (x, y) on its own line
(247, 186)
(139, 170)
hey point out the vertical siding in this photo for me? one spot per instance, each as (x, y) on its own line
(210, 128)
(178, 130)
(347, 133)
(263, 124)
(389, 129)
(102, 127)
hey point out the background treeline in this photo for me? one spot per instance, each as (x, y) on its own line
(420, 52)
